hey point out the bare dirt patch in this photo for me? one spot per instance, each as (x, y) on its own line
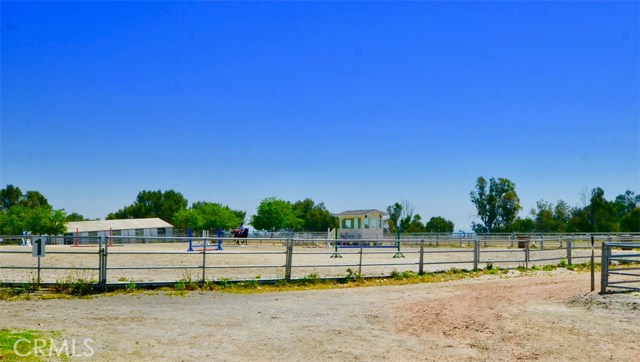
(533, 318)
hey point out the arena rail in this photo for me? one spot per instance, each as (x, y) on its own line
(120, 260)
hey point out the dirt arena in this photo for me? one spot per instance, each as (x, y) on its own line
(547, 317)
(263, 261)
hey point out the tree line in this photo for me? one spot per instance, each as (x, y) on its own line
(498, 207)
(496, 201)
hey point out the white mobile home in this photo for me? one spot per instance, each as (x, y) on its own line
(361, 224)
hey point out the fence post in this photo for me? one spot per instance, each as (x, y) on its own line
(476, 253)
(604, 270)
(289, 258)
(421, 265)
(526, 253)
(541, 241)
(204, 262)
(102, 261)
(569, 246)
(360, 264)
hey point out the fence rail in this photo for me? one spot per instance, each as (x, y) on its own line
(123, 259)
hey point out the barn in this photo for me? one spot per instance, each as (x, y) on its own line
(148, 227)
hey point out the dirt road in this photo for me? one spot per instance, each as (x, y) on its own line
(542, 318)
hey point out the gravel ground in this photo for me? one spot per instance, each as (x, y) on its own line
(548, 317)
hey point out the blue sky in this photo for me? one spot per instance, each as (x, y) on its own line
(358, 105)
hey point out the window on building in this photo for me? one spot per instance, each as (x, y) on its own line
(162, 231)
(374, 223)
(139, 232)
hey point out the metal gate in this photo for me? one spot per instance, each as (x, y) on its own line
(620, 266)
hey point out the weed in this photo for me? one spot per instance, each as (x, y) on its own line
(489, 266)
(75, 287)
(563, 263)
(351, 276)
(131, 287)
(180, 285)
(312, 278)
(224, 283)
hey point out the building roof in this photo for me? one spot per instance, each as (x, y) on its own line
(360, 212)
(122, 224)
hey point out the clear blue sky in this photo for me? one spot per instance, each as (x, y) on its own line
(356, 104)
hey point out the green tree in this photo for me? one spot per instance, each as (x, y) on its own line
(10, 196)
(525, 225)
(602, 213)
(37, 220)
(395, 213)
(74, 216)
(28, 212)
(415, 225)
(549, 217)
(158, 204)
(208, 216)
(627, 202)
(34, 199)
(274, 214)
(188, 218)
(631, 221)
(316, 216)
(497, 206)
(438, 224)
(216, 216)
(400, 216)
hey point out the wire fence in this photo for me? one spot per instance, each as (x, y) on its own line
(117, 260)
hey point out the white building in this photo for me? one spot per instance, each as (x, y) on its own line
(361, 224)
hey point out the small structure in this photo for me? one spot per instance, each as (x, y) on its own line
(149, 227)
(361, 224)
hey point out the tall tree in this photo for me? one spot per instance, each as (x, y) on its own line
(400, 216)
(395, 213)
(158, 204)
(497, 206)
(274, 214)
(602, 213)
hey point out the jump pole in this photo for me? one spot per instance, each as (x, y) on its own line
(190, 233)
(76, 242)
(335, 244)
(219, 240)
(110, 239)
(398, 254)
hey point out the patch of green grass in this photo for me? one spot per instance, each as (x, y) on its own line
(24, 342)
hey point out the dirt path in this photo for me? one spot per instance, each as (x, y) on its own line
(524, 318)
